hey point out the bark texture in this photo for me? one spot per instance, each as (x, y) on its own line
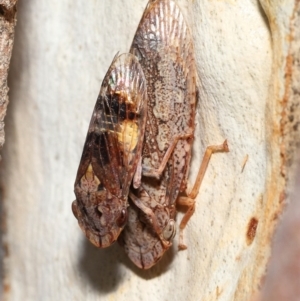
(7, 29)
(247, 59)
(282, 279)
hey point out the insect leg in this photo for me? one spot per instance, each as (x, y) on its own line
(149, 213)
(138, 174)
(156, 172)
(151, 218)
(189, 200)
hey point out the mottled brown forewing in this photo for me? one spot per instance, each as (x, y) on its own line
(111, 152)
(164, 47)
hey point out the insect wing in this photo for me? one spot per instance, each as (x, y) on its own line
(164, 47)
(111, 152)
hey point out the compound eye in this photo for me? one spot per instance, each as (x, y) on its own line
(170, 230)
(75, 209)
(122, 219)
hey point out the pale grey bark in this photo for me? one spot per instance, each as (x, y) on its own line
(62, 51)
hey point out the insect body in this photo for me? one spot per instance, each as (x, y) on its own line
(165, 50)
(111, 152)
(164, 47)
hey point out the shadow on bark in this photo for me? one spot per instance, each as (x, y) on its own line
(102, 267)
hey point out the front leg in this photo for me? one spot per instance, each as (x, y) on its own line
(166, 233)
(147, 211)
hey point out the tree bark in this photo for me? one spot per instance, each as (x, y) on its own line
(282, 280)
(7, 30)
(248, 95)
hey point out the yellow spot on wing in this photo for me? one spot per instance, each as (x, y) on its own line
(128, 135)
(90, 176)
